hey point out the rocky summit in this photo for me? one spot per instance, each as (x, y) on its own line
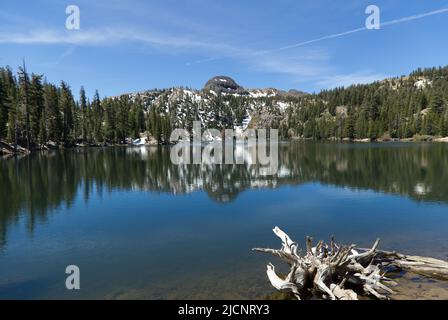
(223, 84)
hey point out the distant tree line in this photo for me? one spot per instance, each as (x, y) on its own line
(34, 112)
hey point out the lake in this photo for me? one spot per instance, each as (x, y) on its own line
(140, 227)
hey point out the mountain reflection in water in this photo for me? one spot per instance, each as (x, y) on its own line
(41, 182)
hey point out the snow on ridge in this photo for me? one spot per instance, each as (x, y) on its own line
(423, 83)
(259, 93)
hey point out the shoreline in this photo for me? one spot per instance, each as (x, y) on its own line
(368, 140)
(7, 149)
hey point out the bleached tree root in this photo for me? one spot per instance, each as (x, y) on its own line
(337, 272)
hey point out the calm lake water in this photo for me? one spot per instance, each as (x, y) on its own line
(139, 227)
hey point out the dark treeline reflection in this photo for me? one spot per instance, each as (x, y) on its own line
(36, 184)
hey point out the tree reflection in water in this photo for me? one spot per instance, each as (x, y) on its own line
(37, 184)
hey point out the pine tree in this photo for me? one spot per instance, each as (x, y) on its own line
(53, 121)
(155, 125)
(123, 118)
(97, 114)
(139, 118)
(43, 134)
(24, 84)
(3, 110)
(77, 121)
(14, 114)
(84, 114)
(437, 104)
(36, 102)
(66, 104)
(444, 126)
(166, 129)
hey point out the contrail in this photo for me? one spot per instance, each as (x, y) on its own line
(416, 17)
(331, 36)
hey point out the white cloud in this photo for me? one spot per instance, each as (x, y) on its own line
(300, 64)
(107, 36)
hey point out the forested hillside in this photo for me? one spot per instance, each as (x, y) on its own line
(35, 113)
(400, 107)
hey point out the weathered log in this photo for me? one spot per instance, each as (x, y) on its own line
(428, 267)
(7, 148)
(341, 272)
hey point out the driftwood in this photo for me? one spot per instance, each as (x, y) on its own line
(337, 272)
(7, 148)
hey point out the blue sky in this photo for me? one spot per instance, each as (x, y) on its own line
(132, 45)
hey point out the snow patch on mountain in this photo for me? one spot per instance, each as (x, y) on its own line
(222, 103)
(422, 83)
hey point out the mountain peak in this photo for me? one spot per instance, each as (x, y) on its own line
(223, 84)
